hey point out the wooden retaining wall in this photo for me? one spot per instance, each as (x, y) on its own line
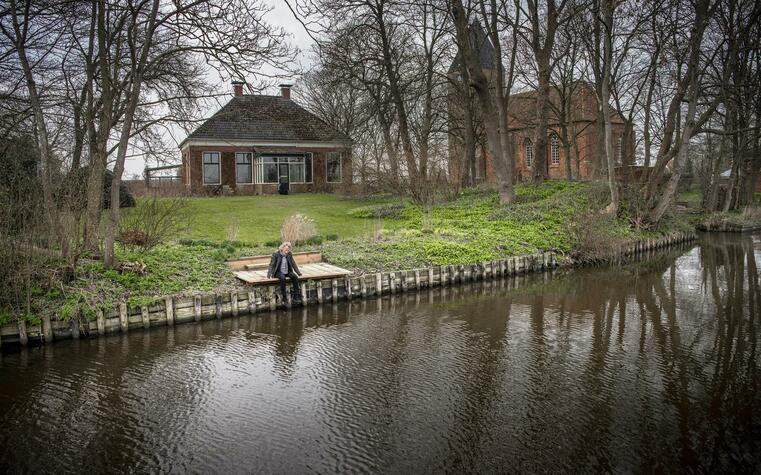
(177, 310)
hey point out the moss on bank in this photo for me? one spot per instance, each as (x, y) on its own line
(558, 215)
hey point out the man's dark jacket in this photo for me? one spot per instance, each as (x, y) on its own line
(275, 264)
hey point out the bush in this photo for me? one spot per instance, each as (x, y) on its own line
(388, 210)
(298, 228)
(153, 221)
(594, 239)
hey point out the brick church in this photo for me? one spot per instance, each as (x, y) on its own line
(585, 144)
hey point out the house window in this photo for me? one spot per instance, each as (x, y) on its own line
(333, 167)
(529, 153)
(243, 167)
(554, 150)
(619, 151)
(211, 173)
(294, 168)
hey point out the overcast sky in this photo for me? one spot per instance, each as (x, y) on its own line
(280, 16)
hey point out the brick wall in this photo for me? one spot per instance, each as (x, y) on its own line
(192, 167)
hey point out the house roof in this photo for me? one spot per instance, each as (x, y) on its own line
(522, 107)
(265, 118)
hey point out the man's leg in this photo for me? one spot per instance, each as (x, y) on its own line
(283, 293)
(295, 287)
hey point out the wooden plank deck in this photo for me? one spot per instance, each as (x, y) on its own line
(253, 269)
(320, 270)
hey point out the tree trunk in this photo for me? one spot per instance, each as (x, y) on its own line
(41, 132)
(608, 7)
(126, 130)
(490, 117)
(539, 170)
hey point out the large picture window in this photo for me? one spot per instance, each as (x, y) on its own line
(554, 150)
(333, 167)
(529, 153)
(244, 167)
(293, 168)
(211, 174)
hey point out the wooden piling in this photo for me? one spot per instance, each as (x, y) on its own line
(348, 287)
(123, 317)
(417, 279)
(197, 308)
(430, 277)
(47, 329)
(23, 338)
(169, 309)
(334, 290)
(363, 286)
(145, 317)
(272, 298)
(218, 305)
(251, 302)
(75, 332)
(319, 291)
(100, 320)
(234, 303)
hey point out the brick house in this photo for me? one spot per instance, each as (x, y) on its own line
(255, 142)
(585, 132)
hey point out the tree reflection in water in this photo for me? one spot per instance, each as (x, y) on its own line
(651, 366)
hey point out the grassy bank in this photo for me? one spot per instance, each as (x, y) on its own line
(746, 219)
(363, 236)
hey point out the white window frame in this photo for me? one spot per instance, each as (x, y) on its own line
(554, 150)
(203, 168)
(620, 151)
(250, 154)
(258, 167)
(529, 150)
(340, 167)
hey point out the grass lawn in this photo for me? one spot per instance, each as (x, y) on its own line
(362, 235)
(257, 219)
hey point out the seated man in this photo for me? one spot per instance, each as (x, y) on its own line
(282, 265)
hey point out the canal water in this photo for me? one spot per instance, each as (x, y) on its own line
(650, 366)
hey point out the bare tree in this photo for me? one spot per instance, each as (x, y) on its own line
(540, 35)
(492, 101)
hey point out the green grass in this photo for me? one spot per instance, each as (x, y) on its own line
(474, 228)
(378, 234)
(257, 219)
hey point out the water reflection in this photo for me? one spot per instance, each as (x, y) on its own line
(648, 367)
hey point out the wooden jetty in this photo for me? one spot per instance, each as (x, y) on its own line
(253, 269)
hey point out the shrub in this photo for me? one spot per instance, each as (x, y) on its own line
(298, 228)
(153, 221)
(314, 240)
(272, 243)
(232, 229)
(388, 210)
(594, 239)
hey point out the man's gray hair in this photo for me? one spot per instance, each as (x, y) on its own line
(282, 246)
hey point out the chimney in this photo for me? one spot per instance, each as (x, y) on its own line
(238, 88)
(285, 91)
